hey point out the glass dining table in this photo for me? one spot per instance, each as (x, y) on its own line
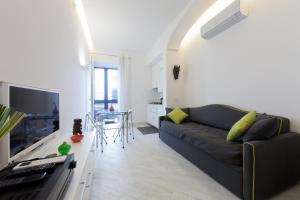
(104, 114)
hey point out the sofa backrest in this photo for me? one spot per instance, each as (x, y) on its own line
(224, 117)
(219, 116)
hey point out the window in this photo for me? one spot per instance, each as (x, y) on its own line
(106, 88)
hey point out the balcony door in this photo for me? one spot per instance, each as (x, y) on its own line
(106, 88)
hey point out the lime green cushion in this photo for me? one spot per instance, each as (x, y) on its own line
(240, 127)
(177, 115)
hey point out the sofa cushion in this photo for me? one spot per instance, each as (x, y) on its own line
(216, 145)
(240, 127)
(262, 130)
(219, 116)
(178, 130)
(186, 110)
(177, 115)
(284, 123)
(208, 139)
(223, 116)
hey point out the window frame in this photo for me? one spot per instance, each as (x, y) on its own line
(105, 101)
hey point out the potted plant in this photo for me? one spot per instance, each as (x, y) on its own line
(9, 119)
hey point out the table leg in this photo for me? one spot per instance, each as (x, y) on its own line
(101, 135)
(131, 126)
(127, 126)
(97, 139)
(123, 135)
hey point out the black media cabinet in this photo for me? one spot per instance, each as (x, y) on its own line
(53, 187)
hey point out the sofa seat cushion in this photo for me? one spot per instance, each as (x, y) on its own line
(213, 141)
(208, 139)
(179, 130)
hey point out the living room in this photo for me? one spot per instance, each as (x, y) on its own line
(182, 77)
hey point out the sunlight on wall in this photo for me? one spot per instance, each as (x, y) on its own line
(211, 12)
(82, 57)
(85, 27)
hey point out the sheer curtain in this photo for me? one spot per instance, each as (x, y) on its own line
(124, 68)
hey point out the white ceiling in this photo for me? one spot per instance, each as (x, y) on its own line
(129, 25)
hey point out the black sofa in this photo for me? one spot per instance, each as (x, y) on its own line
(250, 170)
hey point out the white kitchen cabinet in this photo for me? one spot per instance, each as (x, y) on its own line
(154, 111)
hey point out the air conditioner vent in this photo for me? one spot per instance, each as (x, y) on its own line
(224, 20)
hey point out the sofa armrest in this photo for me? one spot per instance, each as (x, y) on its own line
(271, 165)
(160, 119)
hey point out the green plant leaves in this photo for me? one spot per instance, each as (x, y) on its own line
(9, 119)
(4, 116)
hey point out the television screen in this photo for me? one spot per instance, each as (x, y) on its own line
(42, 109)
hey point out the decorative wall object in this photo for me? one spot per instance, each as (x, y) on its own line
(77, 127)
(176, 71)
(77, 131)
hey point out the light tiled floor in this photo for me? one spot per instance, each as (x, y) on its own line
(147, 169)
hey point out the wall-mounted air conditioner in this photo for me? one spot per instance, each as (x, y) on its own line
(229, 16)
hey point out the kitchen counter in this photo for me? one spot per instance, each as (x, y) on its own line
(155, 103)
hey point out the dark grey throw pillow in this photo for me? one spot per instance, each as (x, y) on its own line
(262, 130)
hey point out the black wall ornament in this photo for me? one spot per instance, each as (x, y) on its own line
(176, 71)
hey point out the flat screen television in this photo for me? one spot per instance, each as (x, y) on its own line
(42, 120)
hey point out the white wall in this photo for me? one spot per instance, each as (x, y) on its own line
(41, 43)
(253, 65)
(159, 52)
(175, 88)
(167, 47)
(139, 86)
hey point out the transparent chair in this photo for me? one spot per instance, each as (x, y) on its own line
(91, 124)
(128, 126)
(106, 122)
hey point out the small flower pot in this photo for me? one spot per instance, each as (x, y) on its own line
(77, 138)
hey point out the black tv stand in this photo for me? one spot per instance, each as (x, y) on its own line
(53, 187)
